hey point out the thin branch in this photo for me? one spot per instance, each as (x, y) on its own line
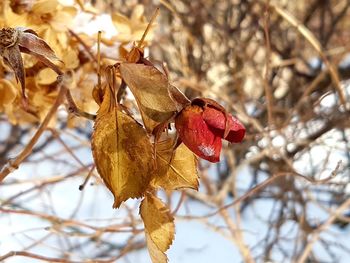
(309, 36)
(268, 181)
(316, 234)
(14, 164)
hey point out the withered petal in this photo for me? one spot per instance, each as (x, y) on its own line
(216, 120)
(12, 57)
(43, 59)
(196, 135)
(35, 45)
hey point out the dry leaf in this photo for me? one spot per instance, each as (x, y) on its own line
(16, 40)
(44, 6)
(46, 76)
(151, 90)
(156, 255)
(159, 227)
(122, 152)
(8, 93)
(131, 29)
(175, 170)
(70, 59)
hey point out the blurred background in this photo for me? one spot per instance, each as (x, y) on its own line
(281, 67)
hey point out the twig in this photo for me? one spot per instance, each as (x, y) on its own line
(73, 108)
(320, 229)
(267, 88)
(82, 186)
(87, 49)
(238, 238)
(305, 32)
(262, 185)
(13, 164)
(139, 45)
(36, 256)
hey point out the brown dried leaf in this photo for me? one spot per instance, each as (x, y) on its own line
(178, 97)
(151, 90)
(175, 170)
(159, 227)
(122, 152)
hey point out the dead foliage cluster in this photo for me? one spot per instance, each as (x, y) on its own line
(281, 67)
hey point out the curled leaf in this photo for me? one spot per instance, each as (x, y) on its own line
(218, 122)
(159, 227)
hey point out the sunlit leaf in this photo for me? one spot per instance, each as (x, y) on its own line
(131, 29)
(159, 226)
(44, 6)
(175, 170)
(35, 45)
(122, 23)
(8, 92)
(150, 88)
(46, 76)
(157, 256)
(70, 59)
(122, 152)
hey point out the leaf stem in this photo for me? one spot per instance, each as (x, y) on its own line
(99, 59)
(148, 27)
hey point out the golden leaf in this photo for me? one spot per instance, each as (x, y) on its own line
(156, 255)
(159, 227)
(150, 88)
(8, 92)
(70, 58)
(46, 76)
(122, 23)
(63, 16)
(122, 152)
(44, 6)
(12, 19)
(175, 170)
(131, 29)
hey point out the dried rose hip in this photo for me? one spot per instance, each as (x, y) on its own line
(201, 126)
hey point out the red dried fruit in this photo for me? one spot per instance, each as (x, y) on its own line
(203, 124)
